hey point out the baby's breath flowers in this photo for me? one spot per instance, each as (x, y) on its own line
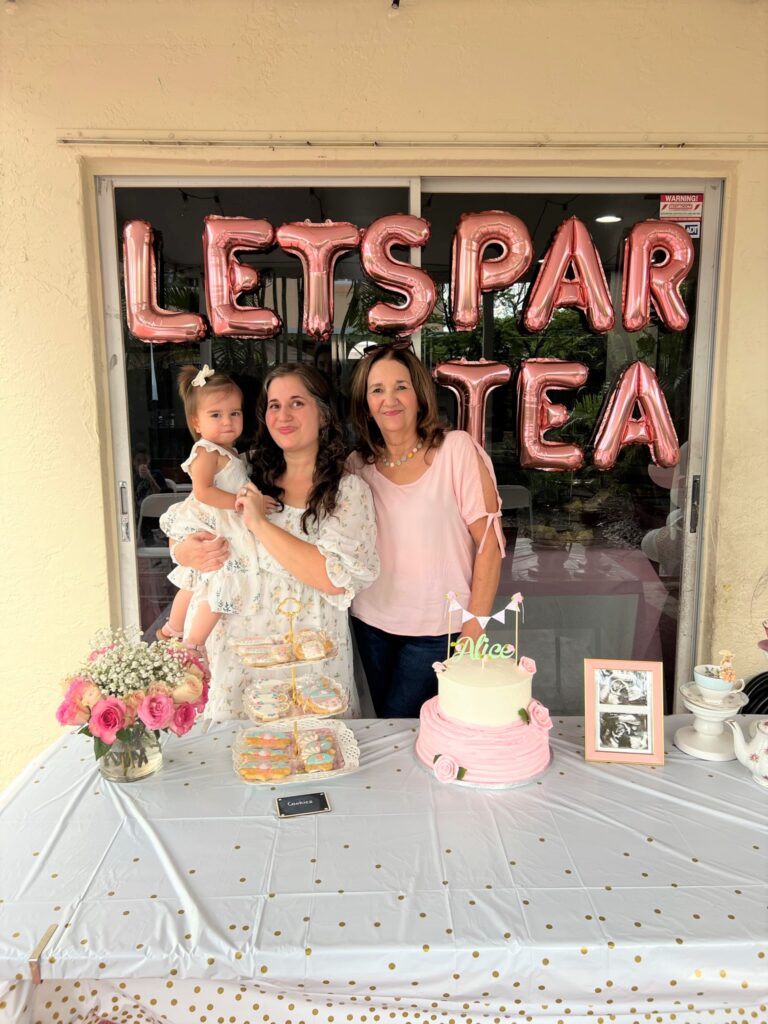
(127, 686)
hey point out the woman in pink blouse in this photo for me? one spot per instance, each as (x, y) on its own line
(437, 515)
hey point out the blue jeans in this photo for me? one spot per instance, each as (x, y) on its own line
(399, 668)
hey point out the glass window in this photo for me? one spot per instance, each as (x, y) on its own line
(597, 555)
(159, 438)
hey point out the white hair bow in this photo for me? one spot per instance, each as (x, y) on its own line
(202, 377)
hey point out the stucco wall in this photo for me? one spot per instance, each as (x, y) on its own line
(600, 88)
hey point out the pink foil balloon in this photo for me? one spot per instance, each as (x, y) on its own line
(146, 320)
(536, 414)
(472, 274)
(226, 277)
(637, 385)
(588, 291)
(412, 282)
(472, 382)
(644, 281)
(318, 246)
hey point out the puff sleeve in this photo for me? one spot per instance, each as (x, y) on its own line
(347, 541)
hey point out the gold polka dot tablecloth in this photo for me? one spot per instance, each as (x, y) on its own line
(600, 893)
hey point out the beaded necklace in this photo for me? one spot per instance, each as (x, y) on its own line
(391, 464)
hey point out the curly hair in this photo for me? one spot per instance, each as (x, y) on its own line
(429, 427)
(268, 459)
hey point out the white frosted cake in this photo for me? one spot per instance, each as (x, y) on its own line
(483, 728)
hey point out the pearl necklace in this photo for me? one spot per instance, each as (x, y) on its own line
(399, 462)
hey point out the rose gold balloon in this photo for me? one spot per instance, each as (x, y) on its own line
(146, 320)
(472, 274)
(644, 281)
(226, 277)
(536, 414)
(637, 385)
(588, 291)
(412, 282)
(472, 382)
(318, 246)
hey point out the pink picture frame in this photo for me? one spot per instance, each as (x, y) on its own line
(623, 711)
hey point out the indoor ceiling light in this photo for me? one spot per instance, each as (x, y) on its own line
(608, 218)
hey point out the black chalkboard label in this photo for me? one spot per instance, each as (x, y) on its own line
(304, 803)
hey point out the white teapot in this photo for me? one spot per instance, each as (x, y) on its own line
(753, 753)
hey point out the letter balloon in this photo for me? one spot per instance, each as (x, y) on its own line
(472, 274)
(645, 282)
(318, 246)
(472, 382)
(226, 277)
(637, 386)
(587, 290)
(412, 282)
(146, 320)
(536, 414)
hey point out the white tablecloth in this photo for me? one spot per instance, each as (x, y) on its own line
(600, 892)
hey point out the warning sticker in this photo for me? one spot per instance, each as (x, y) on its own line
(682, 207)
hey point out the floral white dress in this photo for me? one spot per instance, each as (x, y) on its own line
(347, 539)
(226, 588)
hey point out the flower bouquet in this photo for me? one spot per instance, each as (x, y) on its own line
(126, 693)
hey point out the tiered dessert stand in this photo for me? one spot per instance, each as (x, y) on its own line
(707, 738)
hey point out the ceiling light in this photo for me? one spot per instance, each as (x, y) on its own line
(608, 218)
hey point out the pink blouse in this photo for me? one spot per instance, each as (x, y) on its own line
(423, 541)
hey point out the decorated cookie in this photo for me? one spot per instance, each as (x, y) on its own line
(319, 762)
(265, 771)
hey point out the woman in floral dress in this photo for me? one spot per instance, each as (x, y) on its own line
(318, 547)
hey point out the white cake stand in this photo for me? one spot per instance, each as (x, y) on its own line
(707, 738)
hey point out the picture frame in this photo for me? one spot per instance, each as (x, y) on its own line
(624, 711)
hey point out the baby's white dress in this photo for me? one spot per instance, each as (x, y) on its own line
(226, 588)
(347, 540)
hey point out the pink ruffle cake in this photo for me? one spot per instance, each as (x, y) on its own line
(494, 735)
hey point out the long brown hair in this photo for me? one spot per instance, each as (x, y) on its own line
(190, 396)
(429, 427)
(268, 458)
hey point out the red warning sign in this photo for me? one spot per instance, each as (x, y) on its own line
(683, 207)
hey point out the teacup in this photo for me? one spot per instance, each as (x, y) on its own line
(712, 688)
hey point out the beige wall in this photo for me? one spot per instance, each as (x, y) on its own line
(595, 88)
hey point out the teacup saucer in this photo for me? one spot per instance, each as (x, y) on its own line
(730, 702)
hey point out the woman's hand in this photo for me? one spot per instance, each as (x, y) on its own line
(472, 630)
(202, 551)
(254, 506)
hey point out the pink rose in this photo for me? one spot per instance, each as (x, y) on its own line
(70, 712)
(107, 719)
(95, 655)
(527, 665)
(189, 689)
(445, 768)
(156, 710)
(183, 719)
(91, 695)
(539, 715)
(133, 702)
(203, 698)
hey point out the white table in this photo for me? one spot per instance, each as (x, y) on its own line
(599, 893)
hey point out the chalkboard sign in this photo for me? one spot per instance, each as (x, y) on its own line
(304, 803)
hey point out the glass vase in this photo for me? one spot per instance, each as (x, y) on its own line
(132, 758)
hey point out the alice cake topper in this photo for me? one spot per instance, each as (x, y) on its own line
(482, 648)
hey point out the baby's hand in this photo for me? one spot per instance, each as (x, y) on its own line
(269, 504)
